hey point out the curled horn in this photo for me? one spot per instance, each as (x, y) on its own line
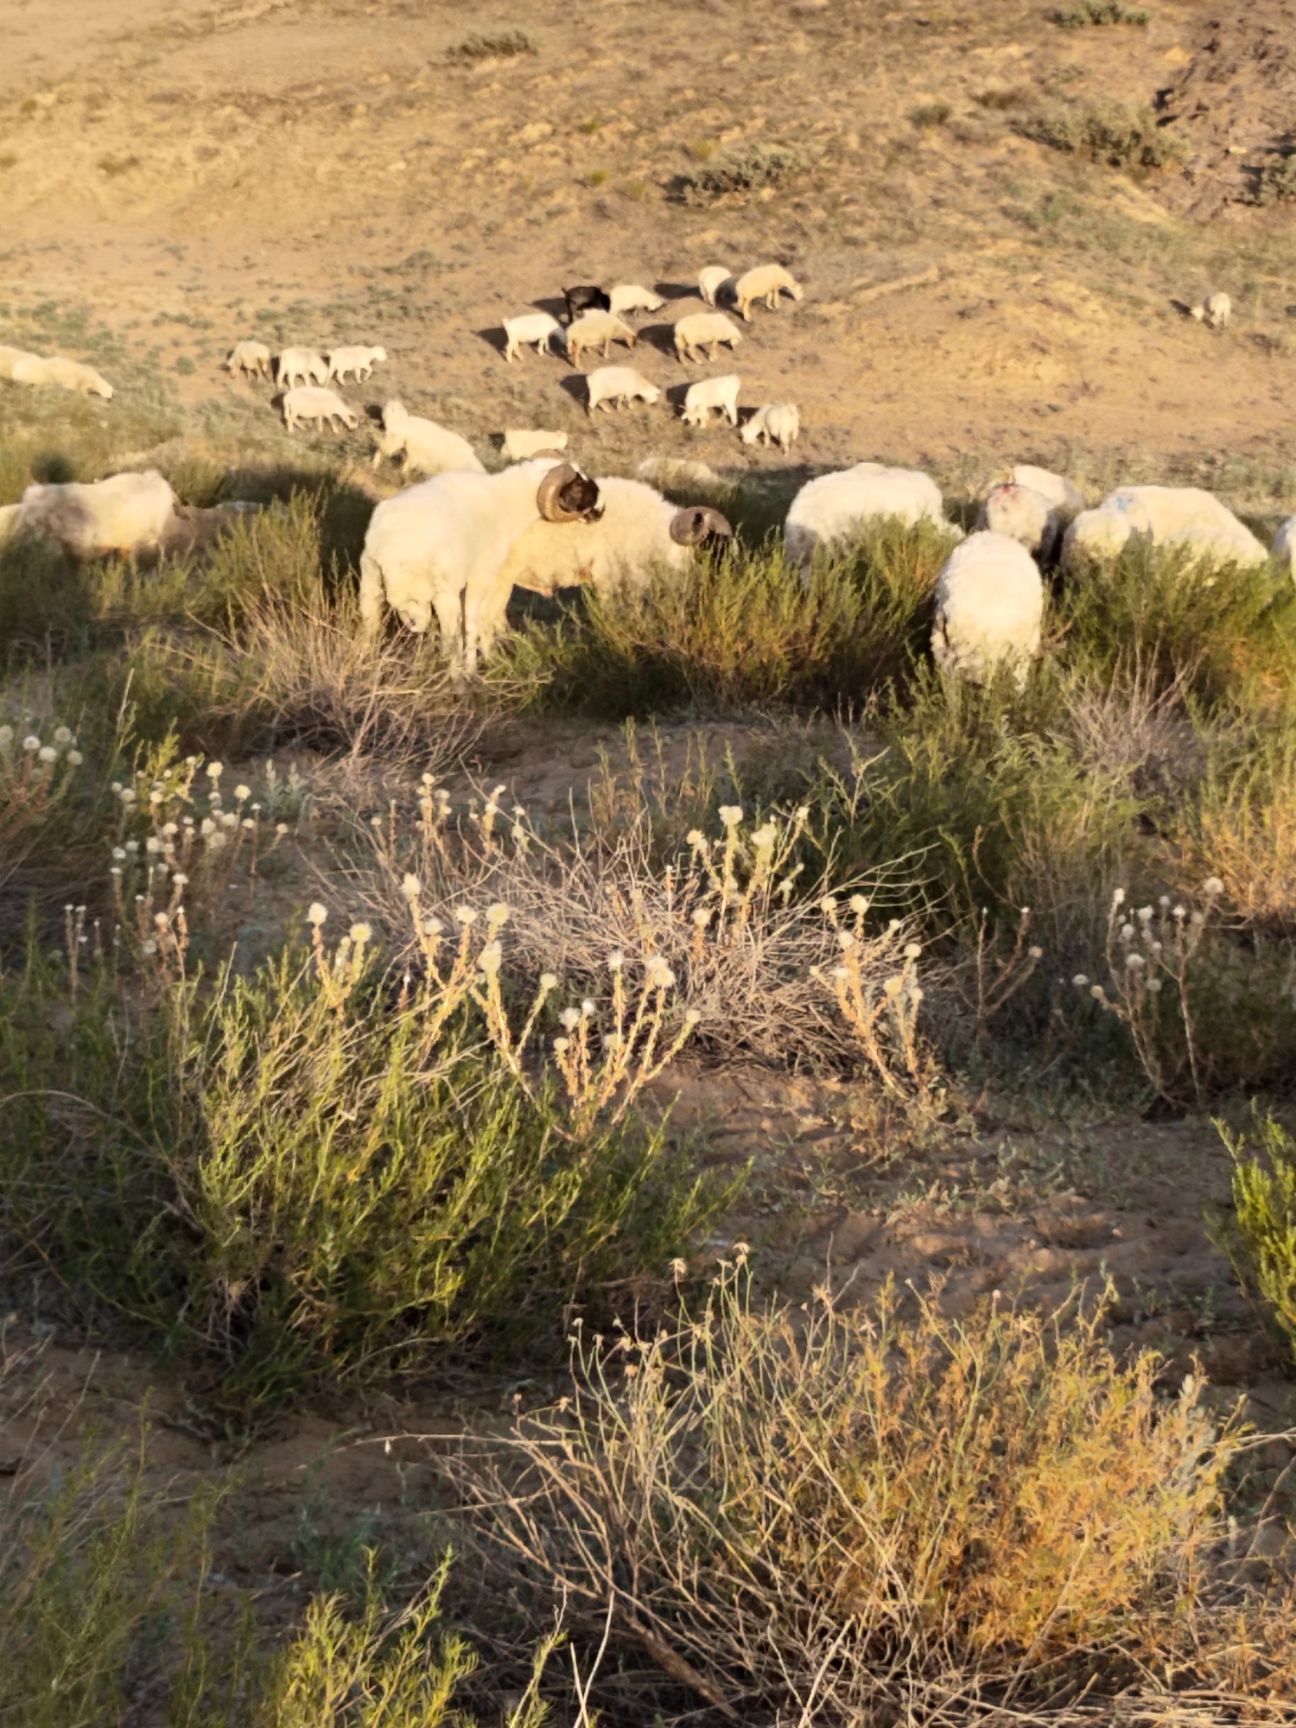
(690, 527)
(549, 494)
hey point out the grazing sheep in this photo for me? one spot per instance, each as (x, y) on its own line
(127, 514)
(439, 548)
(1063, 494)
(531, 329)
(638, 532)
(597, 330)
(766, 282)
(834, 509)
(630, 297)
(677, 471)
(989, 609)
(191, 528)
(711, 280)
(780, 421)
(65, 374)
(1026, 516)
(1283, 550)
(1215, 310)
(9, 358)
(1167, 516)
(586, 298)
(709, 393)
(705, 330)
(361, 361)
(10, 523)
(252, 358)
(518, 445)
(426, 447)
(312, 402)
(300, 366)
(607, 385)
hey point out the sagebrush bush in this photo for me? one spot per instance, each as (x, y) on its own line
(743, 169)
(317, 1172)
(1126, 136)
(867, 1516)
(1261, 1235)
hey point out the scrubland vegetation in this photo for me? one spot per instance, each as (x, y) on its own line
(325, 1079)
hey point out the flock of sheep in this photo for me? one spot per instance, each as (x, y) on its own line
(454, 546)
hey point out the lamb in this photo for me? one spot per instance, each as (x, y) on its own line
(312, 402)
(780, 421)
(709, 393)
(766, 282)
(519, 445)
(711, 280)
(597, 330)
(709, 330)
(1215, 310)
(251, 358)
(427, 447)
(361, 361)
(1026, 516)
(833, 510)
(630, 297)
(1063, 494)
(441, 547)
(1170, 516)
(586, 298)
(989, 609)
(301, 366)
(611, 384)
(60, 371)
(9, 358)
(531, 329)
(638, 532)
(1283, 550)
(127, 514)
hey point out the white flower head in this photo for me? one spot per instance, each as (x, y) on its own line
(1034, 952)
(242, 793)
(912, 950)
(570, 1019)
(615, 960)
(47, 753)
(317, 914)
(1134, 962)
(464, 915)
(548, 981)
(1212, 887)
(692, 1016)
(859, 904)
(1081, 981)
(731, 814)
(360, 934)
(1118, 898)
(490, 959)
(215, 770)
(31, 743)
(411, 887)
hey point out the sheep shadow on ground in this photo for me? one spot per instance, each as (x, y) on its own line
(576, 385)
(675, 394)
(493, 337)
(554, 305)
(677, 290)
(659, 336)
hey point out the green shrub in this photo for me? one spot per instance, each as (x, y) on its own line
(1276, 180)
(1261, 1236)
(1121, 137)
(317, 1174)
(744, 169)
(502, 45)
(1100, 12)
(930, 114)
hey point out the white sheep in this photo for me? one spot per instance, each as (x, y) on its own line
(779, 421)
(607, 385)
(312, 402)
(1164, 516)
(709, 393)
(1215, 311)
(427, 447)
(1283, 550)
(599, 330)
(252, 358)
(301, 366)
(65, 374)
(439, 549)
(9, 358)
(519, 445)
(677, 471)
(766, 282)
(630, 297)
(530, 329)
(127, 514)
(638, 532)
(711, 280)
(705, 330)
(360, 361)
(1024, 515)
(1063, 494)
(989, 609)
(834, 509)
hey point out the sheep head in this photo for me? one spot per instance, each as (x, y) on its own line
(697, 524)
(567, 495)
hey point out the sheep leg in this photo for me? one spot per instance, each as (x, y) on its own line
(449, 607)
